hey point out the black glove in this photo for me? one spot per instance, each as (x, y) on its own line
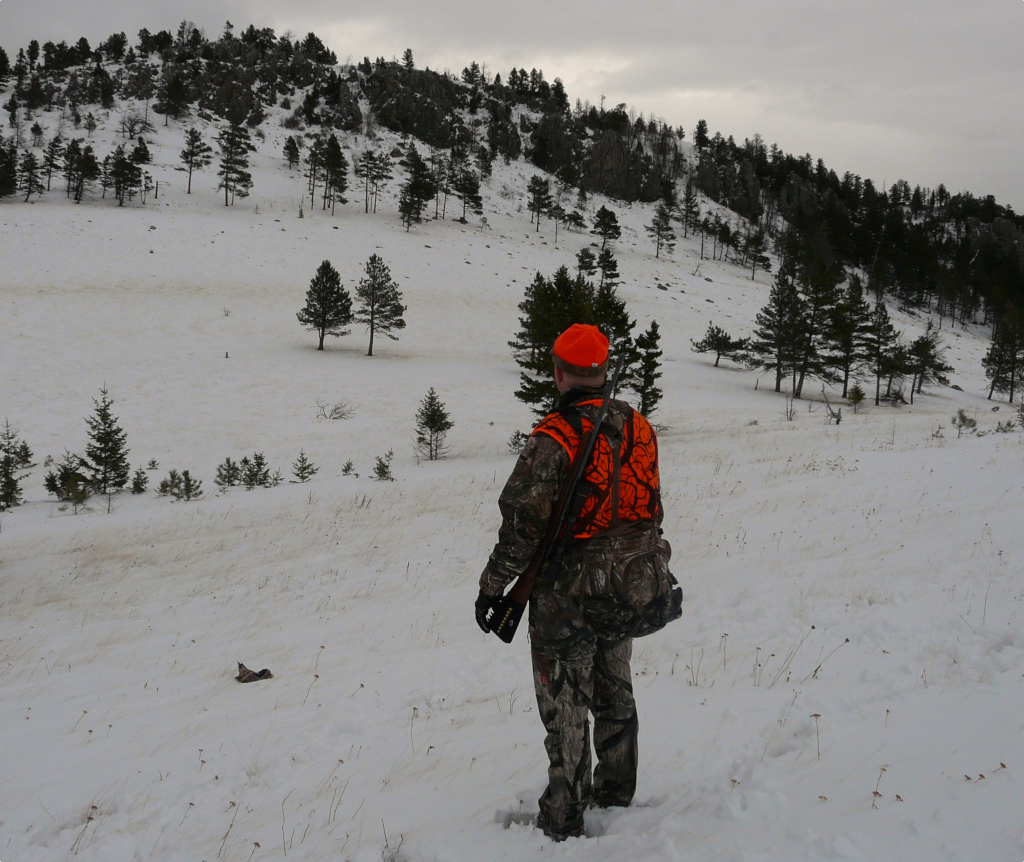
(485, 604)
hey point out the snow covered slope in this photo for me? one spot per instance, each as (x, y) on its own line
(852, 620)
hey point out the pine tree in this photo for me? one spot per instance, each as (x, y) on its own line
(381, 306)
(690, 208)
(549, 307)
(465, 184)
(140, 481)
(196, 155)
(850, 323)
(11, 465)
(926, 359)
(291, 152)
(856, 397)
(606, 226)
(755, 252)
(660, 230)
(335, 173)
(432, 426)
(644, 379)
(140, 153)
(382, 467)
(407, 60)
(776, 342)
(881, 341)
(229, 474)
(328, 308)
(52, 158)
(8, 168)
(235, 146)
(716, 340)
(1004, 361)
(609, 267)
(303, 469)
(106, 455)
(417, 190)
(819, 295)
(539, 202)
(29, 180)
(68, 483)
(586, 263)
(123, 175)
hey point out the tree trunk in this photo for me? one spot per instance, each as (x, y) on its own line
(322, 333)
(370, 351)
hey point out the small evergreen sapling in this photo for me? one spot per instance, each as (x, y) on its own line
(382, 468)
(140, 481)
(11, 464)
(228, 474)
(432, 426)
(348, 468)
(856, 397)
(68, 483)
(181, 486)
(962, 422)
(303, 469)
(255, 472)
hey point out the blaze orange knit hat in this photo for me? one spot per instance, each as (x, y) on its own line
(582, 350)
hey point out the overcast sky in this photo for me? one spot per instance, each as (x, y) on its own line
(925, 91)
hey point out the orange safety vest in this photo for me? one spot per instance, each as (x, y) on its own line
(624, 480)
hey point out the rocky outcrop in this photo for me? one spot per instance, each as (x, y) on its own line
(798, 200)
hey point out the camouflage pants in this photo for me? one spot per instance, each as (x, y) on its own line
(588, 676)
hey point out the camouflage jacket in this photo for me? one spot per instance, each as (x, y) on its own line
(531, 492)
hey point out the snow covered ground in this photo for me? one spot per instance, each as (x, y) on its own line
(852, 620)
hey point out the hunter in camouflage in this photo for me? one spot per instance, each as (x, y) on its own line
(613, 584)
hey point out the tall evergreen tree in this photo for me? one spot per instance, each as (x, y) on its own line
(644, 379)
(926, 360)
(29, 180)
(606, 226)
(196, 155)
(235, 146)
(417, 191)
(609, 267)
(52, 158)
(777, 341)
(1004, 361)
(106, 453)
(328, 308)
(381, 306)
(291, 152)
(465, 183)
(8, 168)
(690, 208)
(335, 173)
(882, 339)
(660, 230)
(539, 201)
(849, 328)
(432, 426)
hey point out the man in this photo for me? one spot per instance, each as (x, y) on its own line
(580, 630)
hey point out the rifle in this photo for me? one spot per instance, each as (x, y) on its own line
(508, 610)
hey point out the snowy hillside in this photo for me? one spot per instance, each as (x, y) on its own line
(851, 623)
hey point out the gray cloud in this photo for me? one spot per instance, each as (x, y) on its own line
(928, 91)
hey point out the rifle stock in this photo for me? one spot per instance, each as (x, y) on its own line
(508, 611)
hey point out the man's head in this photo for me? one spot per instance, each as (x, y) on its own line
(581, 357)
